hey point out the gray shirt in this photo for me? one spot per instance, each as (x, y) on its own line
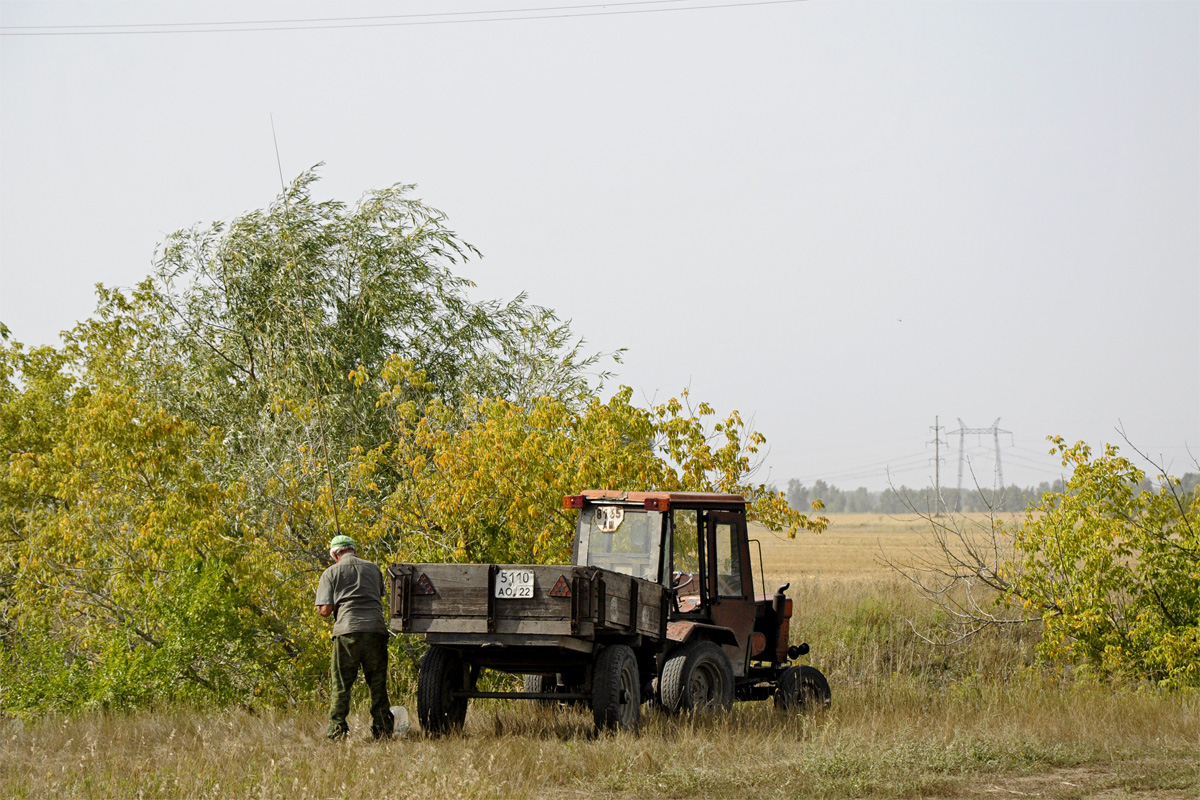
(354, 588)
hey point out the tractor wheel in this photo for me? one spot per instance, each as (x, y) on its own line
(541, 683)
(441, 675)
(697, 677)
(616, 689)
(803, 689)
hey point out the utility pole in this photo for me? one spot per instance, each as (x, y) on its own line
(937, 466)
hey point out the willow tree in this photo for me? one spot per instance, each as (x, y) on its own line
(276, 328)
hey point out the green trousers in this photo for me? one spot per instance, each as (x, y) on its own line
(351, 651)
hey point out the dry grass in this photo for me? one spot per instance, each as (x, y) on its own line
(907, 721)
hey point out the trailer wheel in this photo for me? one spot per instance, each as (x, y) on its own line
(616, 689)
(440, 676)
(804, 689)
(697, 677)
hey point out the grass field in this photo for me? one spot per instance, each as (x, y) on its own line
(908, 720)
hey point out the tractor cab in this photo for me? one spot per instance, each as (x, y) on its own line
(696, 546)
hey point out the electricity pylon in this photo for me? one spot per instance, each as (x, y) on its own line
(962, 431)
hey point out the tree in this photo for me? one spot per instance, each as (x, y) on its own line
(125, 578)
(1109, 567)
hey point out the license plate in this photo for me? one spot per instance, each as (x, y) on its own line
(514, 583)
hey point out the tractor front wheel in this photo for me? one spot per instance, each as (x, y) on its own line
(802, 688)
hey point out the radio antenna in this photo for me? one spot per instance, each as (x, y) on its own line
(278, 164)
(337, 526)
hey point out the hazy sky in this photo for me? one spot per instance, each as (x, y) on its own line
(841, 219)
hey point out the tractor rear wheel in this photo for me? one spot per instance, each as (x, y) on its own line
(616, 689)
(803, 689)
(441, 675)
(697, 677)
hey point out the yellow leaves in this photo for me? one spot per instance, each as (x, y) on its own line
(358, 376)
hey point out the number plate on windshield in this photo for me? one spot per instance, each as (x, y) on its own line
(514, 583)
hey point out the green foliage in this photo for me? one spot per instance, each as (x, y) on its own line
(1113, 570)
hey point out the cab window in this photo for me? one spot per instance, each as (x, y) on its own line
(685, 553)
(729, 561)
(625, 540)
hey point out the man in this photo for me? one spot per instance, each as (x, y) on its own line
(351, 591)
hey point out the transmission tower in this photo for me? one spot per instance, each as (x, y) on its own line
(962, 431)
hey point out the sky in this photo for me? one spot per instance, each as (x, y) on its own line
(844, 220)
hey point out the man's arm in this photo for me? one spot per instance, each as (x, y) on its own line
(325, 598)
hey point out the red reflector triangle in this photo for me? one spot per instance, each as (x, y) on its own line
(561, 588)
(424, 585)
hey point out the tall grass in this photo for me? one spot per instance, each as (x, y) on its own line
(907, 720)
(875, 742)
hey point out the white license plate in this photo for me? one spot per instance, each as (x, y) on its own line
(514, 583)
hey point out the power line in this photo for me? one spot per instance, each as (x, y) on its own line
(302, 20)
(881, 472)
(882, 463)
(406, 20)
(877, 468)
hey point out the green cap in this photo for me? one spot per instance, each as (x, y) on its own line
(338, 542)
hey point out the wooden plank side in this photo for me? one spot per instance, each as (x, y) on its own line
(447, 607)
(616, 599)
(459, 590)
(547, 627)
(649, 618)
(616, 612)
(617, 585)
(650, 607)
(514, 640)
(618, 590)
(553, 608)
(448, 625)
(478, 625)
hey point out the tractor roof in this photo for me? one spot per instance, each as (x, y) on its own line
(675, 499)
